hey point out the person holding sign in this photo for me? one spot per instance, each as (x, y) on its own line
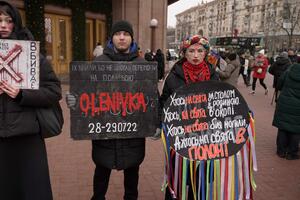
(120, 154)
(193, 67)
(24, 172)
(207, 132)
(231, 72)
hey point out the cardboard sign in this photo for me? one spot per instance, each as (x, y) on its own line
(20, 63)
(114, 99)
(206, 120)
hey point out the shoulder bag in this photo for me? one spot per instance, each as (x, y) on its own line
(50, 120)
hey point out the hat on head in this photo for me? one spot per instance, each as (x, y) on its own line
(284, 54)
(193, 40)
(262, 52)
(122, 26)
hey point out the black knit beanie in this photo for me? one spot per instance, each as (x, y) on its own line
(122, 26)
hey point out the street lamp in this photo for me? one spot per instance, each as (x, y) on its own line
(153, 25)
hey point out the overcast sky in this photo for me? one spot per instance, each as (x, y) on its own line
(179, 7)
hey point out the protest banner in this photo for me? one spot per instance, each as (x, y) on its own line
(114, 99)
(208, 134)
(20, 63)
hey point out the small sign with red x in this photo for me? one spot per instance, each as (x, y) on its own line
(20, 63)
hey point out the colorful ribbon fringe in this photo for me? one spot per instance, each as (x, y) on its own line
(229, 178)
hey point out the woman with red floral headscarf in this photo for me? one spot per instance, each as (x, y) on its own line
(193, 67)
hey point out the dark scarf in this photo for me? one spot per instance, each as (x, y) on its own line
(195, 73)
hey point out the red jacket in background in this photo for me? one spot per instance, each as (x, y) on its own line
(261, 62)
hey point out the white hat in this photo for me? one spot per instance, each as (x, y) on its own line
(262, 52)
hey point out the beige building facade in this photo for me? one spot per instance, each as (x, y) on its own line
(244, 18)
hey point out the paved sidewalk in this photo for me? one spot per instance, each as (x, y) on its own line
(71, 166)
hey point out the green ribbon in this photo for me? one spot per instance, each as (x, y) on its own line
(183, 189)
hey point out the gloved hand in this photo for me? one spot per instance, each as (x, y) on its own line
(70, 100)
(157, 134)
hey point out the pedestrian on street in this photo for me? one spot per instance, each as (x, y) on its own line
(244, 67)
(250, 59)
(119, 154)
(292, 56)
(231, 72)
(260, 68)
(278, 68)
(287, 113)
(193, 67)
(149, 55)
(24, 172)
(98, 51)
(160, 59)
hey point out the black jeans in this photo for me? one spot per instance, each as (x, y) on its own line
(261, 81)
(287, 142)
(245, 76)
(101, 181)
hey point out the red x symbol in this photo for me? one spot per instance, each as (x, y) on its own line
(6, 60)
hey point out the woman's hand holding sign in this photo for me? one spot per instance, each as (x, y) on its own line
(10, 90)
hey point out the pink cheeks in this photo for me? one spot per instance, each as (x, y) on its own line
(6, 25)
(195, 54)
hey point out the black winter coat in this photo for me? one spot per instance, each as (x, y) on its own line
(18, 116)
(278, 68)
(24, 172)
(118, 153)
(160, 59)
(287, 112)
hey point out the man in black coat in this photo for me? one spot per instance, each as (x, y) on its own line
(120, 154)
(292, 56)
(160, 59)
(278, 68)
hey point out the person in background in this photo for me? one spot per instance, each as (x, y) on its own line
(287, 114)
(231, 72)
(160, 59)
(278, 68)
(149, 55)
(119, 154)
(244, 67)
(168, 55)
(251, 60)
(98, 51)
(140, 52)
(292, 56)
(193, 67)
(24, 172)
(259, 71)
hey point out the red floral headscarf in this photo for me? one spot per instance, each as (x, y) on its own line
(193, 40)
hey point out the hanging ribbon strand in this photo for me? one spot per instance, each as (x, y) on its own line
(230, 178)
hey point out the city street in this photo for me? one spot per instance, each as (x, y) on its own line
(71, 166)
